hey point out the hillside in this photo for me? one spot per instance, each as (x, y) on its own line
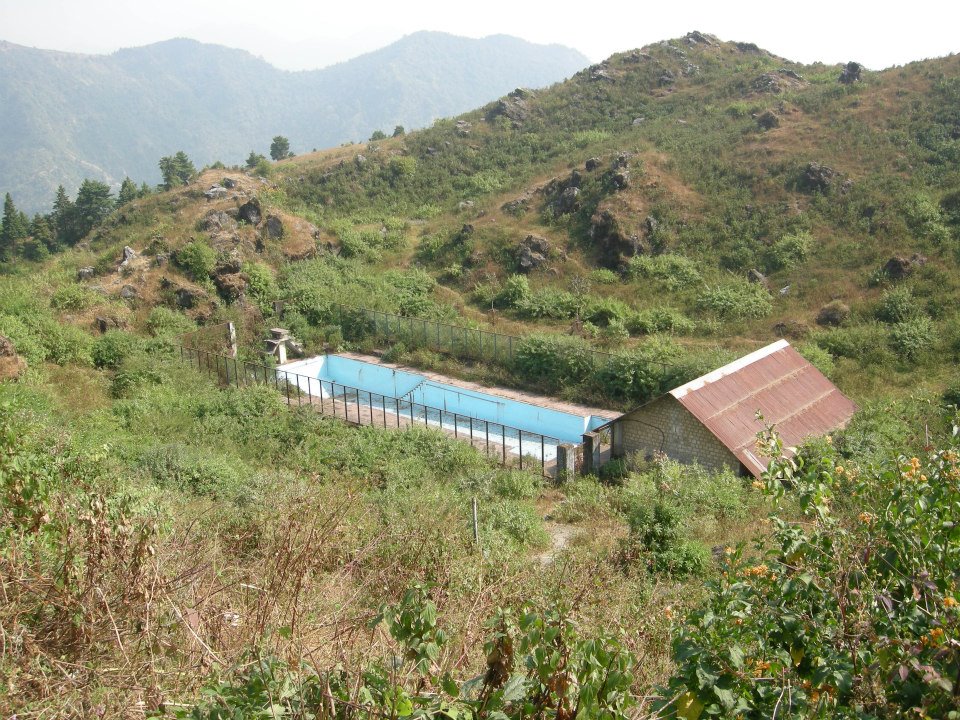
(180, 548)
(69, 116)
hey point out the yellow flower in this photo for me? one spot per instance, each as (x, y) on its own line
(866, 517)
(915, 463)
(923, 478)
(829, 440)
(668, 612)
(950, 601)
(757, 485)
(839, 470)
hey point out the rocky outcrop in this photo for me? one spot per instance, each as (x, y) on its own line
(251, 212)
(274, 227)
(851, 73)
(757, 277)
(614, 244)
(833, 314)
(569, 201)
(215, 192)
(513, 107)
(899, 267)
(12, 366)
(532, 253)
(218, 221)
(128, 255)
(768, 120)
(816, 177)
(86, 273)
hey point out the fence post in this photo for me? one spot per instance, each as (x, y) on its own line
(591, 453)
(543, 456)
(520, 438)
(566, 462)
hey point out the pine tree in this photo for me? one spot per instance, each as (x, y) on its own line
(177, 170)
(128, 192)
(280, 148)
(12, 231)
(41, 240)
(93, 204)
(63, 217)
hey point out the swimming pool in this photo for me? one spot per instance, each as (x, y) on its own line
(372, 389)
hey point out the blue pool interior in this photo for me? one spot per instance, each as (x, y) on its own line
(416, 395)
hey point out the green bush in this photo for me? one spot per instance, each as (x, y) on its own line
(515, 292)
(656, 542)
(197, 258)
(603, 311)
(518, 523)
(197, 471)
(603, 276)
(736, 301)
(550, 303)
(72, 298)
(660, 319)
(898, 305)
(674, 271)
(164, 322)
(867, 344)
(552, 359)
(790, 250)
(112, 348)
(912, 339)
(38, 337)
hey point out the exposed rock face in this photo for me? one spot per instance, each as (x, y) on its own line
(817, 177)
(569, 201)
(775, 82)
(250, 212)
(12, 366)
(463, 128)
(795, 329)
(592, 164)
(128, 255)
(850, 73)
(128, 292)
(698, 38)
(833, 314)
(217, 221)
(216, 192)
(616, 246)
(768, 120)
(104, 323)
(621, 179)
(518, 207)
(231, 286)
(187, 298)
(899, 267)
(513, 107)
(274, 227)
(532, 253)
(755, 276)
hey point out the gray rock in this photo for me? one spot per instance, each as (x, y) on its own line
(833, 314)
(128, 292)
(187, 298)
(621, 160)
(817, 177)
(532, 253)
(638, 121)
(216, 192)
(465, 204)
(360, 160)
(767, 120)
(274, 227)
(851, 73)
(161, 259)
(85, 273)
(757, 277)
(463, 128)
(791, 74)
(666, 78)
(592, 164)
(569, 200)
(128, 254)
(576, 178)
(250, 212)
(899, 267)
(621, 179)
(218, 220)
(785, 290)
(229, 183)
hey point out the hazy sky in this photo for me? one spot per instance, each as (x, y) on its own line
(300, 34)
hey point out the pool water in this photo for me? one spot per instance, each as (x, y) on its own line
(422, 399)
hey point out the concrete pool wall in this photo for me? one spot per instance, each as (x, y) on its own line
(403, 391)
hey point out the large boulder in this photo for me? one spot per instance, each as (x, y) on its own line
(898, 267)
(216, 192)
(251, 212)
(532, 253)
(217, 221)
(833, 314)
(851, 73)
(569, 201)
(274, 227)
(12, 366)
(615, 245)
(816, 177)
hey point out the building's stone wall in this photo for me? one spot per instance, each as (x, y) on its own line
(667, 426)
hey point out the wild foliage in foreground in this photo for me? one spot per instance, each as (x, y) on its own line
(851, 610)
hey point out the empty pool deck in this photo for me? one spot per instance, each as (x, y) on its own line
(505, 424)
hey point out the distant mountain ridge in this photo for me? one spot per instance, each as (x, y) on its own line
(69, 116)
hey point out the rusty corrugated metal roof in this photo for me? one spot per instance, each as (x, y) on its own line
(776, 380)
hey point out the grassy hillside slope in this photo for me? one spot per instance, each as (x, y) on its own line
(174, 548)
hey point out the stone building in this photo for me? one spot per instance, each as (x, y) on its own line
(712, 420)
